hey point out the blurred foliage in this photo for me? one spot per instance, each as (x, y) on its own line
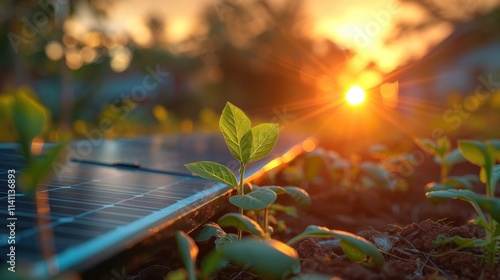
(235, 59)
(28, 121)
(458, 119)
(321, 168)
(255, 54)
(435, 13)
(29, 116)
(23, 116)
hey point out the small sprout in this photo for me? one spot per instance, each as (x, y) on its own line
(356, 248)
(484, 155)
(443, 154)
(246, 144)
(210, 230)
(271, 259)
(188, 251)
(242, 223)
(256, 200)
(226, 240)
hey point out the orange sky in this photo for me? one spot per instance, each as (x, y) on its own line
(357, 24)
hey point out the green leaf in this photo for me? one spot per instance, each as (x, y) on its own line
(444, 146)
(460, 241)
(39, 167)
(264, 137)
(210, 230)
(211, 263)
(465, 195)
(479, 221)
(289, 210)
(464, 182)
(377, 174)
(490, 204)
(312, 231)
(30, 118)
(300, 196)
(353, 244)
(256, 200)
(6, 105)
(437, 149)
(315, 164)
(352, 252)
(473, 151)
(225, 240)
(452, 193)
(454, 157)
(236, 129)
(213, 171)
(495, 175)
(431, 187)
(483, 176)
(427, 145)
(277, 189)
(178, 274)
(241, 222)
(188, 252)
(495, 148)
(270, 259)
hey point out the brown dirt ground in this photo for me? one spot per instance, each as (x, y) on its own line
(407, 220)
(411, 255)
(405, 223)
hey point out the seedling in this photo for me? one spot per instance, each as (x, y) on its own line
(322, 167)
(259, 201)
(247, 144)
(270, 258)
(484, 155)
(446, 157)
(300, 197)
(356, 248)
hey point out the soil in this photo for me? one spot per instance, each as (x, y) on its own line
(410, 255)
(404, 224)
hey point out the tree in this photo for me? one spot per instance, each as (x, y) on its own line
(261, 50)
(436, 12)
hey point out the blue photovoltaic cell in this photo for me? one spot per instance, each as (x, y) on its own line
(96, 206)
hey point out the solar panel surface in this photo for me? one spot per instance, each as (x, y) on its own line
(110, 193)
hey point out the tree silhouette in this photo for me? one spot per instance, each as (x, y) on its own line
(438, 12)
(261, 49)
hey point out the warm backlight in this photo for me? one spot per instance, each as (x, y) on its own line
(355, 95)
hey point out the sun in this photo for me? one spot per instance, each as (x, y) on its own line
(355, 95)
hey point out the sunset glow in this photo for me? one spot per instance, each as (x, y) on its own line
(362, 27)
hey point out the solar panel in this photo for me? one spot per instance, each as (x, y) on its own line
(109, 194)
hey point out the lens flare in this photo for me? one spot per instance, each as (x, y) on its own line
(355, 95)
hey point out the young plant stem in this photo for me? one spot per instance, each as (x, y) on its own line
(444, 171)
(241, 191)
(491, 251)
(491, 233)
(266, 222)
